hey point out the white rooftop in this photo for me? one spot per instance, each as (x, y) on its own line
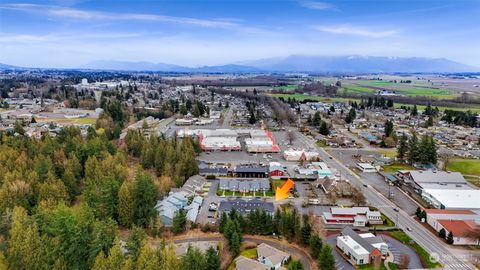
(456, 198)
(348, 241)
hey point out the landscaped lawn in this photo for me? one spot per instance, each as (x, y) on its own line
(388, 152)
(249, 253)
(422, 253)
(464, 166)
(396, 167)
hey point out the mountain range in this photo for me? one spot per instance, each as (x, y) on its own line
(297, 63)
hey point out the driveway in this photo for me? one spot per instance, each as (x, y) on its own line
(207, 200)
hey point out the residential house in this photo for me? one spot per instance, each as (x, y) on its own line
(245, 207)
(244, 263)
(271, 257)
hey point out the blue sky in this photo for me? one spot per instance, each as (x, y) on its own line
(71, 33)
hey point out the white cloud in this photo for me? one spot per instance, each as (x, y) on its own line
(355, 31)
(78, 14)
(316, 5)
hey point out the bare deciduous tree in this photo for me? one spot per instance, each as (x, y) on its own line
(290, 136)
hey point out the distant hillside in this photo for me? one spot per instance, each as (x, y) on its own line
(5, 66)
(298, 63)
(131, 66)
(360, 64)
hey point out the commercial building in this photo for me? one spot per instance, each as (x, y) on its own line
(452, 198)
(461, 223)
(356, 216)
(357, 249)
(300, 155)
(261, 141)
(219, 144)
(366, 167)
(318, 169)
(432, 179)
(276, 170)
(244, 207)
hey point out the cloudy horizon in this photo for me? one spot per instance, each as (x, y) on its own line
(73, 33)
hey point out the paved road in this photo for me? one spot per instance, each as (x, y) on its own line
(228, 117)
(298, 253)
(417, 232)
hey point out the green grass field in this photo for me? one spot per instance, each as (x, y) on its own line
(358, 89)
(464, 166)
(390, 153)
(66, 121)
(301, 97)
(290, 87)
(316, 98)
(369, 86)
(397, 166)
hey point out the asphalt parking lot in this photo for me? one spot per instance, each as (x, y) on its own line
(376, 180)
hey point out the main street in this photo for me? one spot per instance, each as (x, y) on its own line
(436, 248)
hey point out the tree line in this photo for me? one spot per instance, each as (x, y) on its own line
(413, 150)
(285, 223)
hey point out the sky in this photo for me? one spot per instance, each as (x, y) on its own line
(72, 33)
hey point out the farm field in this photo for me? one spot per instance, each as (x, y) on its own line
(404, 89)
(301, 97)
(290, 87)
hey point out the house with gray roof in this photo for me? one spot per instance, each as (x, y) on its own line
(271, 257)
(176, 201)
(244, 185)
(244, 207)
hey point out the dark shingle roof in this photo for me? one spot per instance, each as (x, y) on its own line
(251, 169)
(245, 206)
